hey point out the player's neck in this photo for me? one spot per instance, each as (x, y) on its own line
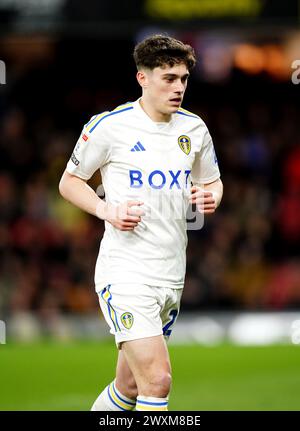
(156, 116)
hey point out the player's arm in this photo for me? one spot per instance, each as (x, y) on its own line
(207, 190)
(207, 197)
(79, 193)
(91, 153)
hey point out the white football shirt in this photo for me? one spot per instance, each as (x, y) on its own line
(154, 163)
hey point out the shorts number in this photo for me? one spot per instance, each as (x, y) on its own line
(166, 330)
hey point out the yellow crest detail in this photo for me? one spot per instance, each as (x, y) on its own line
(184, 143)
(127, 320)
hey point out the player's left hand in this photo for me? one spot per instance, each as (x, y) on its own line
(204, 200)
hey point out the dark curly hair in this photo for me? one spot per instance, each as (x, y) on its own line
(160, 50)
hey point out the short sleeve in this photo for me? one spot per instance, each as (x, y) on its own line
(91, 152)
(205, 167)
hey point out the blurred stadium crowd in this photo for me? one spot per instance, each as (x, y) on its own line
(246, 257)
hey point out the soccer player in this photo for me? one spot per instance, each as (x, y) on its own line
(155, 157)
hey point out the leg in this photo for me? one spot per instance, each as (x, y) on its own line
(149, 361)
(143, 364)
(120, 394)
(125, 381)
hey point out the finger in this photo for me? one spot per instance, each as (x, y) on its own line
(196, 188)
(129, 223)
(130, 218)
(202, 193)
(207, 212)
(132, 203)
(205, 209)
(207, 206)
(201, 196)
(201, 201)
(135, 211)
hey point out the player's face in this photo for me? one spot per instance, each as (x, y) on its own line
(166, 86)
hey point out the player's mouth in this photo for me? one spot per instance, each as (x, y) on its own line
(176, 101)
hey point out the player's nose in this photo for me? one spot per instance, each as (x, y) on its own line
(179, 87)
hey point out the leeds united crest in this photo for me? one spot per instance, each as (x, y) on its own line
(184, 143)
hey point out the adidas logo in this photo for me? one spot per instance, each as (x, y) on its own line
(138, 147)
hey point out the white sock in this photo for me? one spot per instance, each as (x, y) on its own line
(111, 399)
(151, 403)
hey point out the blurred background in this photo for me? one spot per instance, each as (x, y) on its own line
(66, 60)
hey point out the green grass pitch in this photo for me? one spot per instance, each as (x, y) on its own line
(69, 376)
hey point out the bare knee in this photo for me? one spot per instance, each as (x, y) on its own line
(158, 385)
(127, 388)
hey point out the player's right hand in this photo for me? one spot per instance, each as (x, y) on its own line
(125, 216)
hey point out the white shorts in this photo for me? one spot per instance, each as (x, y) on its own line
(135, 311)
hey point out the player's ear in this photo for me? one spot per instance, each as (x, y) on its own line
(142, 78)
